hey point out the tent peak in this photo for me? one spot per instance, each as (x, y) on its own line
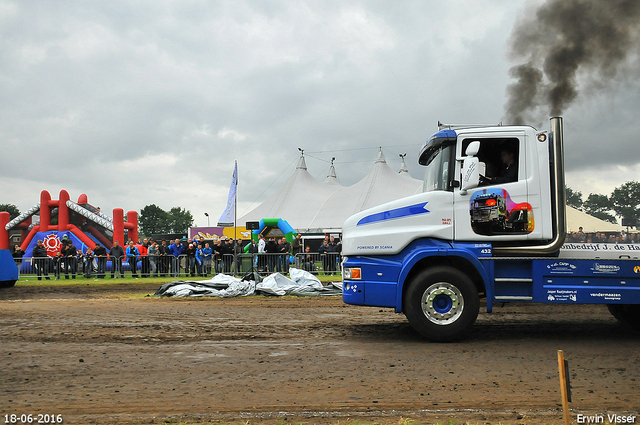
(332, 172)
(332, 177)
(403, 166)
(302, 165)
(381, 158)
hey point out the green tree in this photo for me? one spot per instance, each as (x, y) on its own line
(153, 220)
(11, 209)
(625, 200)
(599, 206)
(574, 198)
(179, 220)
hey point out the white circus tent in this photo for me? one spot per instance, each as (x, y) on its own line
(313, 206)
(589, 223)
(298, 200)
(381, 185)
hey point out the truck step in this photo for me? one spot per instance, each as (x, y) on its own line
(512, 298)
(513, 280)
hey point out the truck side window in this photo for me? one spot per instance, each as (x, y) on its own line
(500, 157)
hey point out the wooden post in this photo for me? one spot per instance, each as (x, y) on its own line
(563, 388)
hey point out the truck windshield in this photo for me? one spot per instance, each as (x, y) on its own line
(436, 176)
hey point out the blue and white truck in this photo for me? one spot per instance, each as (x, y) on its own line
(8, 269)
(429, 257)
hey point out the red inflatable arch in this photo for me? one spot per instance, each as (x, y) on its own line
(80, 219)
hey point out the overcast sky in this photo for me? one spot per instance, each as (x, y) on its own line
(135, 103)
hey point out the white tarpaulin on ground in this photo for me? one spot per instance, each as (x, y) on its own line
(301, 283)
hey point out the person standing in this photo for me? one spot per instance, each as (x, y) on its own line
(217, 256)
(207, 253)
(164, 259)
(79, 261)
(57, 263)
(227, 256)
(253, 250)
(199, 259)
(101, 255)
(237, 253)
(271, 249)
(325, 254)
(284, 247)
(191, 259)
(296, 248)
(144, 258)
(176, 249)
(152, 253)
(334, 253)
(117, 254)
(261, 260)
(18, 253)
(69, 260)
(132, 257)
(88, 262)
(41, 260)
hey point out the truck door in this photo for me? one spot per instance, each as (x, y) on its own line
(498, 209)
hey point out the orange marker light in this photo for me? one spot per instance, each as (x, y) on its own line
(355, 274)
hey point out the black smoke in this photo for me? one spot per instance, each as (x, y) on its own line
(564, 40)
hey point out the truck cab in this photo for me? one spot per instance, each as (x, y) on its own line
(489, 223)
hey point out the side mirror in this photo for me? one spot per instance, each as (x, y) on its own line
(470, 173)
(473, 148)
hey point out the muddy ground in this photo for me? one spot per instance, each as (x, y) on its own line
(106, 354)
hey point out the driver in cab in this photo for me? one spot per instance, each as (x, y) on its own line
(510, 174)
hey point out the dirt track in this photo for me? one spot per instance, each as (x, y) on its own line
(93, 355)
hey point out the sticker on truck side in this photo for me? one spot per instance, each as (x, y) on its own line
(372, 247)
(562, 295)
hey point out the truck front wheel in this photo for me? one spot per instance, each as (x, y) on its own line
(441, 303)
(629, 314)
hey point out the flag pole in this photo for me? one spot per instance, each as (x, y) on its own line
(235, 212)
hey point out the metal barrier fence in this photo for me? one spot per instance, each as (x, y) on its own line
(319, 263)
(262, 263)
(92, 266)
(102, 266)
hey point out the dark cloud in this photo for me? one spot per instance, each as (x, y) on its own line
(564, 39)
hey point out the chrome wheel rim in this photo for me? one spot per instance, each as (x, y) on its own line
(442, 303)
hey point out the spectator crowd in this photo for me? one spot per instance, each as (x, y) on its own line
(603, 237)
(193, 257)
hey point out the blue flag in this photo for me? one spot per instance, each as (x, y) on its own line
(228, 217)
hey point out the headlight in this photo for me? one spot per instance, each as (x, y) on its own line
(352, 273)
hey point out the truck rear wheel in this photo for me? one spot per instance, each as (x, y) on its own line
(441, 303)
(629, 314)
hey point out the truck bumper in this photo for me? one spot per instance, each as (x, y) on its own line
(353, 292)
(370, 293)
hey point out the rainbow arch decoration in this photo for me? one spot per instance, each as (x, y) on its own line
(266, 225)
